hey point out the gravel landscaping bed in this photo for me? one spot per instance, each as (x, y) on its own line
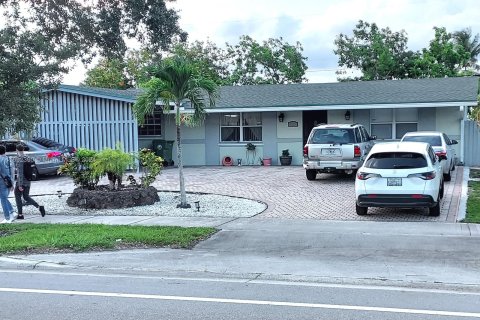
(210, 206)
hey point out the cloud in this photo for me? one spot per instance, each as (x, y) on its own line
(315, 24)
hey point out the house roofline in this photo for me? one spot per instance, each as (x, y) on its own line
(69, 89)
(343, 107)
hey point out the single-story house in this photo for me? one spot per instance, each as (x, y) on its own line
(272, 117)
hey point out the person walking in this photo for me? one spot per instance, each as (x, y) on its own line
(22, 185)
(5, 171)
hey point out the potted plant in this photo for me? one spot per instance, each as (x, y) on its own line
(285, 158)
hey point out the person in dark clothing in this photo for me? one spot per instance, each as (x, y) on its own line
(22, 185)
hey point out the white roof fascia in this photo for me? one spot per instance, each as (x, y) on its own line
(343, 107)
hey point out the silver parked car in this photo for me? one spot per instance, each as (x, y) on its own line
(441, 144)
(47, 161)
(336, 148)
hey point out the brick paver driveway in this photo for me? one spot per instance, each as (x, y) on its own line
(290, 195)
(286, 191)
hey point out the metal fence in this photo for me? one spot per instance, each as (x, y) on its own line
(89, 122)
(472, 143)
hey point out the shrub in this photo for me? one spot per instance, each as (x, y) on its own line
(285, 153)
(152, 166)
(79, 167)
(113, 163)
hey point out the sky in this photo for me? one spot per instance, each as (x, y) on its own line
(315, 24)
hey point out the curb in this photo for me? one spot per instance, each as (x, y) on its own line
(462, 208)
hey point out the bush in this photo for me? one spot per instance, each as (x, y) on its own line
(113, 163)
(79, 167)
(152, 166)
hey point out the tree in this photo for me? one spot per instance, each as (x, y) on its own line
(38, 38)
(442, 58)
(136, 68)
(471, 44)
(208, 59)
(107, 74)
(27, 63)
(247, 62)
(379, 54)
(177, 81)
(273, 62)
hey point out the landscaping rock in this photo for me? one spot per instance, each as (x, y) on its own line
(104, 198)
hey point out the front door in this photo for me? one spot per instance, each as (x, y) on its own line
(312, 119)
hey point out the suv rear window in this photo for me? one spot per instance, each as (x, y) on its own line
(434, 141)
(396, 160)
(332, 136)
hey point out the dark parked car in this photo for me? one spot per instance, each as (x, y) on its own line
(51, 144)
(47, 160)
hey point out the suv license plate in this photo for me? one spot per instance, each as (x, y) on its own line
(394, 182)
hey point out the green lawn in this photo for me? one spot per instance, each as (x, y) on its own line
(473, 202)
(29, 238)
(474, 173)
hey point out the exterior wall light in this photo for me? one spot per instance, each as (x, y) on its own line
(197, 205)
(347, 115)
(281, 117)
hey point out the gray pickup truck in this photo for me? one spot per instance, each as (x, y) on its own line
(336, 148)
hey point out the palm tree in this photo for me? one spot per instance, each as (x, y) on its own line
(470, 43)
(177, 82)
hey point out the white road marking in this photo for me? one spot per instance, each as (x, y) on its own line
(253, 281)
(241, 301)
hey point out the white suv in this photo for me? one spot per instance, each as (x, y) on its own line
(400, 174)
(441, 144)
(336, 148)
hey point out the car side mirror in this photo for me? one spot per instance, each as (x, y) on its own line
(373, 137)
(442, 157)
(454, 142)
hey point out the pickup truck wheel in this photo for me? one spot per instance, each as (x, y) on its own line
(311, 174)
(361, 211)
(435, 211)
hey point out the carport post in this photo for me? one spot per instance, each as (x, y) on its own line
(462, 133)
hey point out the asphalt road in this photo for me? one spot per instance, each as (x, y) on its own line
(78, 295)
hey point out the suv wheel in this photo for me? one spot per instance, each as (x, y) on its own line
(361, 211)
(435, 211)
(311, 174)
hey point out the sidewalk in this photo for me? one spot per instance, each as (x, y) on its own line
(349, 252)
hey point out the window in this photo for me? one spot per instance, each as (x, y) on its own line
(402, 128)
(332, 136)
(432, 140)
(152, 125)
(432, 155)
(382, 131)
(393, 123)
(241, 127)
(396, 160)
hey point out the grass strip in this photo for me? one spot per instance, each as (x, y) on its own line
(473, 202)
(474, 173)
(29, 237)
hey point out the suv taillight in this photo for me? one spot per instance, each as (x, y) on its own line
(305, 151)
(366, 175)
(357, 152)
(441, 153)
(424, 175)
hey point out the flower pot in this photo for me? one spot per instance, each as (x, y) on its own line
(285, 160)
(227, 161)
(267, 161)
